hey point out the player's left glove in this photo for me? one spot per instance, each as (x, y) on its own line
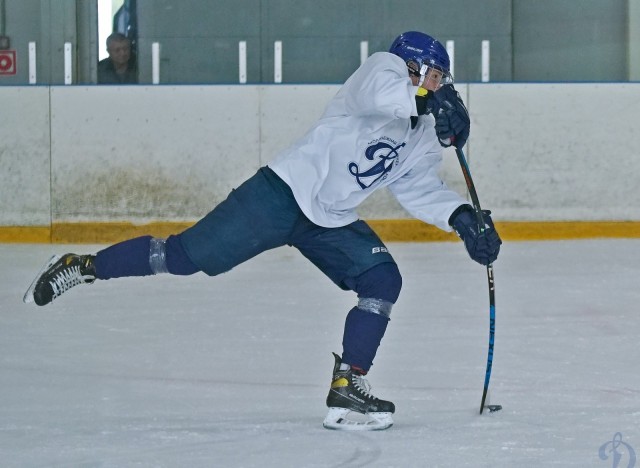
(483, 246)
(426, 104)
(452, 118)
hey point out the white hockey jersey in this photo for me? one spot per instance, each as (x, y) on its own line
(364, 141)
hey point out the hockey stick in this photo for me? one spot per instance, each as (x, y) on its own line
(492, 297)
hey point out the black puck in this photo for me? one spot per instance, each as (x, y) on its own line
(493, 408)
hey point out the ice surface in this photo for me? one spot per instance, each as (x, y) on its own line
(233, 371)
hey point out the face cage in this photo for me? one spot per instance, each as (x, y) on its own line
(424, 69)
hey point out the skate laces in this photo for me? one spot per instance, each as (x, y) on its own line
(67, 279)
(362, 384)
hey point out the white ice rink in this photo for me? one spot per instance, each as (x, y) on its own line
(233, 371)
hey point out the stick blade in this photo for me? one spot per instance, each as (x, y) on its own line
(493, 408)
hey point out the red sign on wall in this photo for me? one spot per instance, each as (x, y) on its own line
(7, 62)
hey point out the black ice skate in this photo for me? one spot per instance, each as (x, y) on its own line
(59, 275)
(351, 406)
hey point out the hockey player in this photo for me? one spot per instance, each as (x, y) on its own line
(386, 126)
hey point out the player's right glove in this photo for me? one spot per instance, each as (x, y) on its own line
(483, 246)
(452, 118)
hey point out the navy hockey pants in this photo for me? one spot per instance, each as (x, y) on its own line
(262, 214)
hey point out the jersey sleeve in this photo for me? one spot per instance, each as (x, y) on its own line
(425, 196)
(381, 87)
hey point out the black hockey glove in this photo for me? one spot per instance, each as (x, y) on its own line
(483, 247)
(452, 117)
(426, 104)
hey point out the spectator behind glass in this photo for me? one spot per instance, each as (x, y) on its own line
(120, 66)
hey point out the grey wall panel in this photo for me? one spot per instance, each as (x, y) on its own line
(22, 22)
(317, 40)
(199, 40)
(308, 18)
(59, 18)
(51, 23)
(305, 59)
(466, 23)
(187, 60)
(198, 18)
(468, 59)
(320, 44)
(633, 53)
(555, 41)
(545, 40)
(87, 43)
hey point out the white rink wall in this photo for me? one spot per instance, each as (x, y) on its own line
(538, 152)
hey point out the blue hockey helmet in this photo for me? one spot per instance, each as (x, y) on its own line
(421, 52)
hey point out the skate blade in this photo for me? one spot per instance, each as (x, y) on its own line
(343, 419)
(28, 296)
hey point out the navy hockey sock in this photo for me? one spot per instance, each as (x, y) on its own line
(128, 258)
(132, 258)
(363, 332)
(378, 288)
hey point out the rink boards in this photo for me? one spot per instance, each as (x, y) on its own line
(94, 163)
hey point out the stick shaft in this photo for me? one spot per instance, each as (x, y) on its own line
(490, 279)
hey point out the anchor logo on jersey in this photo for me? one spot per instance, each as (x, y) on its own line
(386, 155)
